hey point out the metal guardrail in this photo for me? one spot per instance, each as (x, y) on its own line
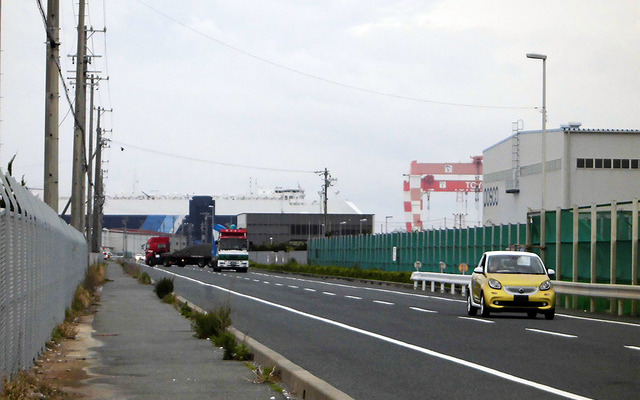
(603, 290)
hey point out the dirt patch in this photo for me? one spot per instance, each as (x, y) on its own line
(68, 364)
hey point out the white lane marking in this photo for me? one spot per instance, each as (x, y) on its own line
(247, 279)
(383, 302)
(309, 289)
(599, 320)
(353, 297)
(423, 350)
(423, 310)
(478, 320)
(551, 333)
(266, 282)
(632, 347)
(256, 280)
(329, 293)
(368, 288)
(293, 286)
(279, 284)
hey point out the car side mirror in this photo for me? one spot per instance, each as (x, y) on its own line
(551, 273)
(478, 270)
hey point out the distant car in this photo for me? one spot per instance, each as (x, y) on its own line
(511, 281)
(139, 257)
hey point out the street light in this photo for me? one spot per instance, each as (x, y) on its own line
(361, 221)
(544, 122)
(386, 223)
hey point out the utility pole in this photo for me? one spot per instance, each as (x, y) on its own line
(98, 192)
(89, 224)
(327, 182)
(51, 106)
(79, 163)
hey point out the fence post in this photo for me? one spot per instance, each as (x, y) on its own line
(614, 248)
(592, 253)
(574, 255)
(634, 253)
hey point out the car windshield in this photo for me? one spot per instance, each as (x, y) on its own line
(514, 264)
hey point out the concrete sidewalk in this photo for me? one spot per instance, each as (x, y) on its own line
(148, 351)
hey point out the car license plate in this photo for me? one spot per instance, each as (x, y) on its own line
(520, 298)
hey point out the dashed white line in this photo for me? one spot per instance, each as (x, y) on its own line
(551, 333)
(423, 310)
(293, 286)
(309, 289)
(266, 282)
(279, 284)
(353, 297)
(329, 293)
(459, 361)
(633, 347)
(486, 321)
(383, 302)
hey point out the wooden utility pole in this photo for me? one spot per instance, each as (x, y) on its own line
(79, 164)
(51, 106)
(88, 222)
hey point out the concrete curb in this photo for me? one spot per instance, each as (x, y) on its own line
(300, 381)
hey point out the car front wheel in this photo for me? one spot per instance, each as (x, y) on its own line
(471, 310)
(550, 314)
(484, 310)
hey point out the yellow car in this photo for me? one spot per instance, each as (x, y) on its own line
(511, 281)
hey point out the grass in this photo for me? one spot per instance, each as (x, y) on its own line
(27, 385)
(345, 272)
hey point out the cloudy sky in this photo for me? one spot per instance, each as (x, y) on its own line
(210, 96)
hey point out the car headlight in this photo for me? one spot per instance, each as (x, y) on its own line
(546, 285)
(494, 284)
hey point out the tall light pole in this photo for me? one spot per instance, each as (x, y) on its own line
(361, 221)
(386, 223)
(544, 123)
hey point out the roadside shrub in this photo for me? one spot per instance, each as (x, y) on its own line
(163, 287)
(187, 311)
(81, 300)
(144, 278)
(207, 325)
(170, 299)
(96, 276)
(227, 341)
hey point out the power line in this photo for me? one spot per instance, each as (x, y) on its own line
(308, 75)
(225, 164)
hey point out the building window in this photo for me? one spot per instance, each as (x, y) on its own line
(608, 163)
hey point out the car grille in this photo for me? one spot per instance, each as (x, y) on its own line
(516, 290)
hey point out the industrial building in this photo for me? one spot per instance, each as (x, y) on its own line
(270, 216)
(583, 166)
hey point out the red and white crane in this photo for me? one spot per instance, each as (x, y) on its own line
(438, 177)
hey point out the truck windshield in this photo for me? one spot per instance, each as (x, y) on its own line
(232, 244)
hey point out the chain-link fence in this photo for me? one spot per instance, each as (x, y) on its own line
(42, 260)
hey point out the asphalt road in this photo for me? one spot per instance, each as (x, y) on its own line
(374, 342)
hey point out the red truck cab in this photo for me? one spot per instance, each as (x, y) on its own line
(156, 245)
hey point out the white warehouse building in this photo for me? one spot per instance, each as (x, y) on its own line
(583, 167)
